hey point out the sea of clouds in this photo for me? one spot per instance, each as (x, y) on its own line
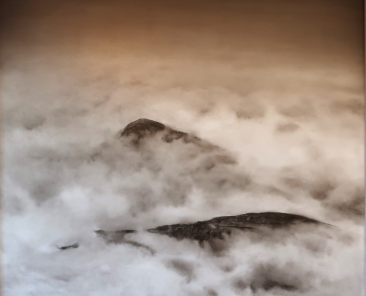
(66, 173)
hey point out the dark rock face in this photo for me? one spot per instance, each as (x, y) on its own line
(216, 227)
(74, 246)
(209, 230)
(143, 128)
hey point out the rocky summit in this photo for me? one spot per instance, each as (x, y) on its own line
(143, 128)
(216, 227)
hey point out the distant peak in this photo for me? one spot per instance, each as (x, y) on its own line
(217, 227)
(141, 127)
(144, 127)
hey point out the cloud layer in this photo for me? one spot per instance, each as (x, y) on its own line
(72, 175)
(286, 112)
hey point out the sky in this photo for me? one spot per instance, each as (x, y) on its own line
(278, 85)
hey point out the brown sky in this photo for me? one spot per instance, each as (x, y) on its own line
(274, 45)
(252, 33)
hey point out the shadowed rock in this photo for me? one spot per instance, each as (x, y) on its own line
(217, 227)
(143, 128)
(214, 230)
(74, 246)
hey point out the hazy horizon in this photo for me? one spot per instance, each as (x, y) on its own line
(279, 86)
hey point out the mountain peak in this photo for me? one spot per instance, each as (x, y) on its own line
(142, 127)
(146, 127)
(216, 227)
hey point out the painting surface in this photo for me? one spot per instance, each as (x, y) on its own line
(183, 147)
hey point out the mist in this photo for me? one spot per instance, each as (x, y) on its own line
(73, 175)
(286, 124)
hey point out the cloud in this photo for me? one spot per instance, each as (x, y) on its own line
(290, 137)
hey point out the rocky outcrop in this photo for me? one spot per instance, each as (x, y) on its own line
(210, 230)
(74, 246)
(144, 128)
(216, 227)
